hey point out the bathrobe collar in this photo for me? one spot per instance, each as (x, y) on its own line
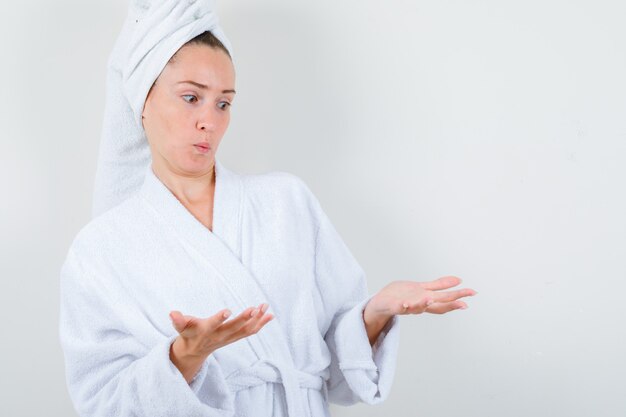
(219, 249)
(227, 202)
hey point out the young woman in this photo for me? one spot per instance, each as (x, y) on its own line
(210, 293)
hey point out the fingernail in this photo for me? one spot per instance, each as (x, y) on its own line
(254, 312)
(264, 308)
(463, 307)
(226, 314)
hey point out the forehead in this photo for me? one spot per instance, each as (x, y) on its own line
(200, 63)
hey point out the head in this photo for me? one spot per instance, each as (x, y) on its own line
(189, 106)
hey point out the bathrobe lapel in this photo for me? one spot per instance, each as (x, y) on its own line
(220, 250)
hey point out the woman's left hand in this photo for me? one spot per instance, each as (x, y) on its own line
(410, 297)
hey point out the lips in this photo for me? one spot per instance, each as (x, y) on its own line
(203, 147)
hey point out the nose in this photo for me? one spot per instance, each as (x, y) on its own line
(206, 126)
(207, 121)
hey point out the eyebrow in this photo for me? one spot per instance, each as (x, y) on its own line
(203, 86)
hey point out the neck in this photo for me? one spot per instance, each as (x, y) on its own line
(189, 188)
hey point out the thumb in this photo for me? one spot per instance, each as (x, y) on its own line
(179, 321)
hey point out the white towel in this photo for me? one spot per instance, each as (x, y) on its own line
(153, 31)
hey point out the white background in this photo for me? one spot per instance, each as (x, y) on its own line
(482, 139)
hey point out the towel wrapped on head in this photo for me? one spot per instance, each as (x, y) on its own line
(153, 31)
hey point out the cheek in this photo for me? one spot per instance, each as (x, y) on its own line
(170, 119)
(225, 122)
(175, 126)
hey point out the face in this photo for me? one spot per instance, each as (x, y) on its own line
(187, 111)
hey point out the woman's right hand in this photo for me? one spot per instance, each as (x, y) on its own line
(198, 338)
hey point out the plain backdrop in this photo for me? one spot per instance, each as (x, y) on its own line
(476, 138)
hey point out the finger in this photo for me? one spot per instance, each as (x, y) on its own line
(181, 322)
(257, 315)
(441, 308)
(238, 321)
(178, 322)
(417, 307)
(447, 296)
(217, 319)
(241, 320)
(259, 311)
(442, 283)
(266, 318)
(242, 333)
(253, 326)
(262, 322)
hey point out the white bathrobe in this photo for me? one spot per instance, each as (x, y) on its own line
(271, 242)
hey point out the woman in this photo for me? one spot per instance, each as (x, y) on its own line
(268, 310)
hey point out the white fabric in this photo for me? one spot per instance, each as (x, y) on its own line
(271, 242)
(152, 32)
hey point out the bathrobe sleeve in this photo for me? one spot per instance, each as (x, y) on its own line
(110, 372)
(358, 371)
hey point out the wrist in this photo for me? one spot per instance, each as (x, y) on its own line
(187, 361)
(374, 322)
(375, 317)
(183, 352)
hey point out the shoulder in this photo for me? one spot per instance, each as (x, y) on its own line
(97, 237)
(275, 180)
(281, 188)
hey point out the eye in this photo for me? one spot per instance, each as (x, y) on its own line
(223, 105)
(190, 95)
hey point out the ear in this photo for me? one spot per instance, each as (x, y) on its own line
(145, 107)
(148, 97)
(143, 117)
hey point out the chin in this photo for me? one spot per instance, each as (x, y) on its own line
(197, 166)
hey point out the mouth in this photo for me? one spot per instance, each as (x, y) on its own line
(202, 146)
